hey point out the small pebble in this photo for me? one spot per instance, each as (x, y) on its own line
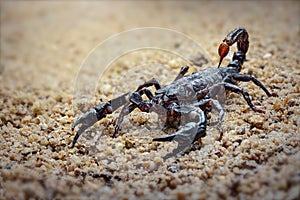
(267, 55)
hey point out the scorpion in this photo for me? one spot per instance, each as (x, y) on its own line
(186, 101)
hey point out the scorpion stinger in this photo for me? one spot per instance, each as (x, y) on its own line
(238, 35)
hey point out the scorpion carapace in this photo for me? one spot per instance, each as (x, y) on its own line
(186, 101)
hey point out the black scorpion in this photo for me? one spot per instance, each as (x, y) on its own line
(187, 100)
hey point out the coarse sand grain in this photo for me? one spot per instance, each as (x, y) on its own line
(43, 45)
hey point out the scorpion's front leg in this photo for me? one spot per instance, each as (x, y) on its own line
(97, 113)
(136, 101)
(153, 82)
(188, 134)
(182, 72)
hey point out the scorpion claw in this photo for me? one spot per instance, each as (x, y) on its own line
(87, 120)
(79, 132)
(184, 137)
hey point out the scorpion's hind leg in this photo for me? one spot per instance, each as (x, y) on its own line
(97, 113)
(239, 90)
(188, 134)
(247, 78)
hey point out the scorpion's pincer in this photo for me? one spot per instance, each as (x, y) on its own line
(87, 120)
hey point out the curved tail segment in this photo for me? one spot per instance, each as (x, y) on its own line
(239, 35)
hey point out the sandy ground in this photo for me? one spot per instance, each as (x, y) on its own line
(43, 45)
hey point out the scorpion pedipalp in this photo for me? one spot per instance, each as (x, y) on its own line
(188, 133)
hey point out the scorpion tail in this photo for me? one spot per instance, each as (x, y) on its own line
(238, 35)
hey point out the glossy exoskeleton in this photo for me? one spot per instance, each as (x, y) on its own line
(187, 100)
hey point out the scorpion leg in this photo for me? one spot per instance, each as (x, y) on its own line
(136, 102)
(247, 78)
(97, 113)
(188, 134)
(220, 109)
(128, 108)
(149, 83)
(239, 90)
(212, 102)
(182, 72)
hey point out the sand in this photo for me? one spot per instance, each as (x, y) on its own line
(43, 46)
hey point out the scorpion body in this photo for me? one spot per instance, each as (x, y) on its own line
(187, 100)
